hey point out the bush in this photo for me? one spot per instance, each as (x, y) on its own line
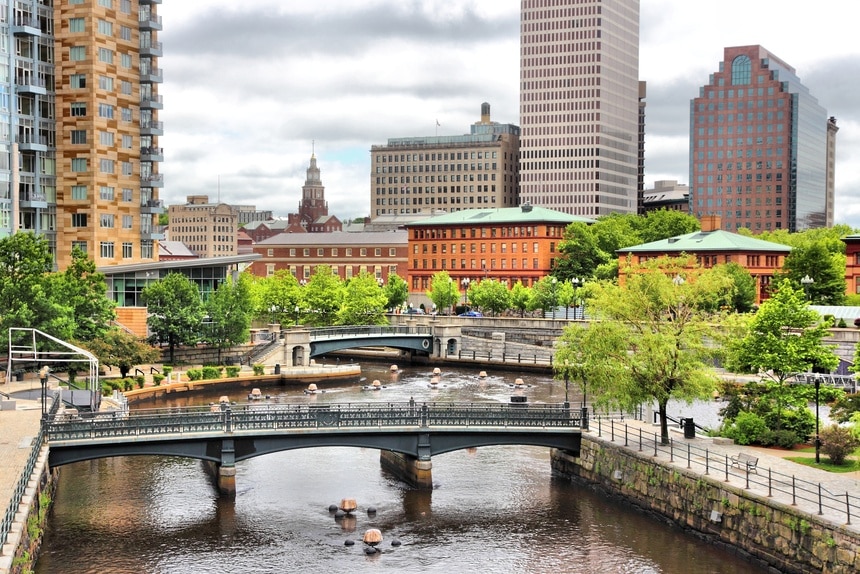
(157, 378)
(857, 322)
(783, 438)
(140, 379)
(258, 369)
(210, 372)
(127, 384)
(167, 370)
(841, 324)
(747, 428)
(194, 374)
(233, 371)
(838, 442)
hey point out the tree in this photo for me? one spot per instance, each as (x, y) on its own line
(84, 292)
(121, 349)
(396, 291)
(544, 294)
(666, 223)
(443, 290)
(230, 309)
(175, 310)
(490, 295)
(783, 339)
(280, 295)
(322, 297)
(520, 297)
(580, 253)
(363, 302)
(652, 342)
(743, 296)
(826, 269)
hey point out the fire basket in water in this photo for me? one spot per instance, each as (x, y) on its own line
(372, 537)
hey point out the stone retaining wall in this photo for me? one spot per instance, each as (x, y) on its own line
(765, 531)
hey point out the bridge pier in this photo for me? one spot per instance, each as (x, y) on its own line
(418, 473)
(224, 473)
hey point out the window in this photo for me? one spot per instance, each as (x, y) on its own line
(127, 221)
(106, 165)
(127, 168)
(125, 87)
(106, 138)
(77, 25)
(127, 250)
(78, 81)
(79, 164)
(77, 53)
(78, 109)
(125, 33)
(106, 83)
(106, 3)
(79, 136)
(79, 220)
(363, 252)
(741, 70)
(378, 251)
(106, 192)
(127, 194)
(82, 245)
(105, 56)
(125, 6)
(127, 141)
(126, 114)
(106, 249)
(125, 60)
(106, 220)
(106, 111)
(73, 2)
(105, 27)
(79, 192)
(392, 251)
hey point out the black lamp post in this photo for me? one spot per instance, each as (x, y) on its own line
(554, 282)
(817, 440)
(566, 386)
(297, 315)
(807, 281)
(43, 378)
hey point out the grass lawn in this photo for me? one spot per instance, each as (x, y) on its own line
(851, 465)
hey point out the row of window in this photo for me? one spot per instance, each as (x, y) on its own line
(81, 165)
(473, 247)
(446, 156)
(473, 232)
(335, 252)
(473, 264)
(433, 167)
(434, 201)
(348, 271)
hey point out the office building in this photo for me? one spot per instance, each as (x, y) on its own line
(415, 177)
(667, 194)
(207, 229)
(759, 146)
(79, 126)
(580, 106)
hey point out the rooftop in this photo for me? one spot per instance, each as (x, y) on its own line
(337, 238)
(522, 214)
(698, 241)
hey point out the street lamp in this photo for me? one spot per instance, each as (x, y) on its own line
(806, 282)
(554, 282)
(566, 385)
(678, 281)
(297, 315)
(817, 439)
(465, 283)
(43, 378)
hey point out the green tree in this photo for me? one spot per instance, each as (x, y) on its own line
(666, 223)
(396, 291)
(783, 339)
(280, 295)
(520, 297)
(650, 344)
(825, 268)
(544, 294)
(580, 253)
(175, 311)
(121, 349)
(84, 292)
(363, 302)
(322, 297)
(230, 309)
(743, 296)
(443, 290)
(490, 295)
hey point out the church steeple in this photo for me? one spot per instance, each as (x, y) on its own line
(313, 177)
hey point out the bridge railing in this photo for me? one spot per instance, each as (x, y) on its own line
(281, 416)
(366, 330)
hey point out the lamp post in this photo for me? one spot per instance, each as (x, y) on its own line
(817, 440)
(807, 281)
(465, 283)
(43, 378)
(297, 315)
(566, 385)
(554, 283)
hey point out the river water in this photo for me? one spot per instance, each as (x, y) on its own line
(492, 510)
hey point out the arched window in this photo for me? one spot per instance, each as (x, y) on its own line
(741, 70)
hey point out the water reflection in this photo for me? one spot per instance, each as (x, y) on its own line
(494, 509)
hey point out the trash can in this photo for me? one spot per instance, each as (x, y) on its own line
(277, 368)
(689, 428)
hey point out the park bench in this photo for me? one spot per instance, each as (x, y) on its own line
(745, 461)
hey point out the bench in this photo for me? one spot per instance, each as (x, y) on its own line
(745, 461)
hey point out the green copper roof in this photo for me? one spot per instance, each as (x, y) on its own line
(707, 241)
(522, 214)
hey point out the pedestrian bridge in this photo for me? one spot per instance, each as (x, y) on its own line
(408, 434)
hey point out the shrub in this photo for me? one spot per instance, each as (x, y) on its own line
(157, 378)
(841, 324)
(140, 379)
(194, 374)
(127, 384)
(857, 322)
(828, 320)
(258, 369)
(747, 428)
(210, 372)
(167, 370)
(838, 442)
(233, 371)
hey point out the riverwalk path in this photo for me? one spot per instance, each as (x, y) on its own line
(19, 428)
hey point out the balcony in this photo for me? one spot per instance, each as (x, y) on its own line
(31, 85)
(26, 26)
(151, 75)
(32, 142)
(151, 154)
(152, 235)
(152, 49)
(152, 180)
(150, 22)
(33, 200)
(149, 2)
(152, 206)
(152, 128)
(151, 102)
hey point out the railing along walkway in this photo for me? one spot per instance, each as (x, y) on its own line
(833, 498)
(367, 331)
(252, 419)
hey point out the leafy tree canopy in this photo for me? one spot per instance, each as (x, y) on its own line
(175, 310)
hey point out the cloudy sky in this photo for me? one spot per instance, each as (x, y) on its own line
(251, 88)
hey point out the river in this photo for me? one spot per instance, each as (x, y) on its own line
(492, 510)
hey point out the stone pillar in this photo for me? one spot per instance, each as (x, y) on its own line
(418, 473)
(498, 345)
(226, 480)
(297, 337)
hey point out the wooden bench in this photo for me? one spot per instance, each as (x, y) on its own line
(745, 461)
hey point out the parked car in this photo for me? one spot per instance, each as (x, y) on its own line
(471, 314)
(415, 311)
